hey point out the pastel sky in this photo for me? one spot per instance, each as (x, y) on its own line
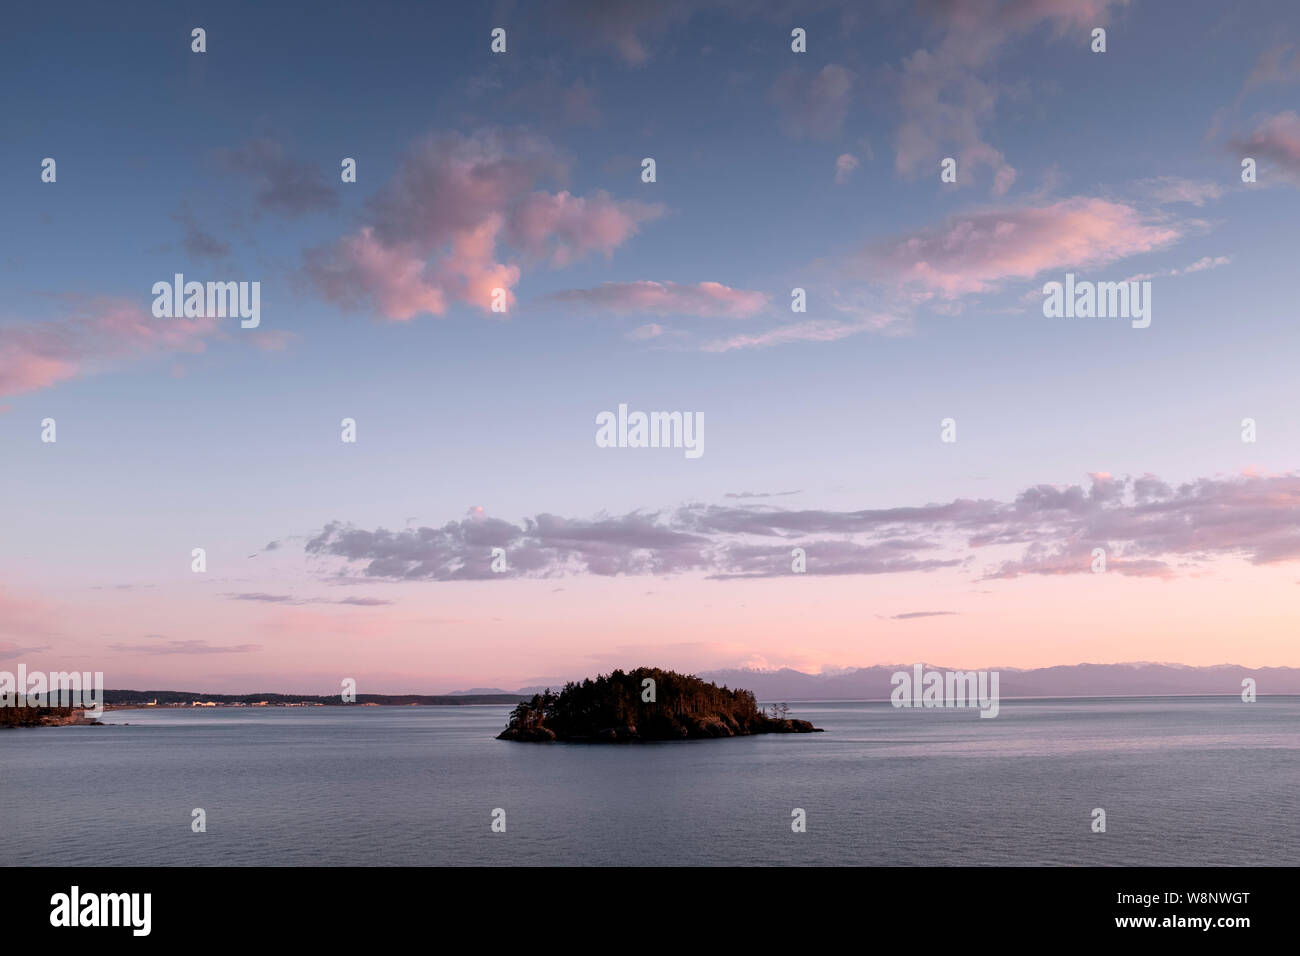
(522, 171)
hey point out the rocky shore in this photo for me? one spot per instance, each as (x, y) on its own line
(46, 717)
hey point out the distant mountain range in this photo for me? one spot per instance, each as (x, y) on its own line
(488, 691)
(1076, 680)
(855, 683)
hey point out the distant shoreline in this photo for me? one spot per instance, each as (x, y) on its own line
(78, 718)
(474, 703)
(481, 700)
(189, 700)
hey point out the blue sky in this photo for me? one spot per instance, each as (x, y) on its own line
(224, 165)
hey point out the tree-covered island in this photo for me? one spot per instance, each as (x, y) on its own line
(644, 704)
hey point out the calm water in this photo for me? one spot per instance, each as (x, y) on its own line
(1187, 781)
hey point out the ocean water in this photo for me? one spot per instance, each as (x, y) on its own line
(1183, 781)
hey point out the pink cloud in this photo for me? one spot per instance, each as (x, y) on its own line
(704, 299)
(573, 227)
(24, 367)
(435, 232)
(1276, 139)
(97, 332)
(359, 267)
(977, 251)
(944, 95)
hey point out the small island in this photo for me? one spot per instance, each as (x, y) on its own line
(641, 705)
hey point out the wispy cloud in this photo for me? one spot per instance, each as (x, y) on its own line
(261, 597)
(1276, 139)
(975, 252)
(196, 240)
(1277, 65)
(1200, 265)
(1147, 528)
(845, 163)
(1177, 189)
(945, 92)
(623, 27)
(643, 333)
(93, 334)
(809, 330)
(285, 185)
(703, 299)
(185, 647)
(10, 651)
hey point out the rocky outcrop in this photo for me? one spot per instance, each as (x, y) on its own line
(46, 717)
(532, 735)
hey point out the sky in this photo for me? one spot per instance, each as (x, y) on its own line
(520, 175)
